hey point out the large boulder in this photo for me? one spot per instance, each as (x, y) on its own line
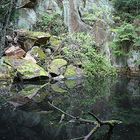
(28, 39)
(15, 52)
(73, 72)
(57, 66)
(6, 71)
(37, 53)
(26, 69)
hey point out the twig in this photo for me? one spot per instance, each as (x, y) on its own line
(98, 123)
(97, 119)
(61, 111)
(92, 131)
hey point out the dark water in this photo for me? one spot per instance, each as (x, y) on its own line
(22, 118)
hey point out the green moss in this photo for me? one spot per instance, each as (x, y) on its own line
(55, 41)
(37, 34)
(27, 69)
(39, 52)
(70, 71)
(56, 65)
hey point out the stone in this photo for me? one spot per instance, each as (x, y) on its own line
(15, 52)
(37, 53)
(73, 72)
(55, 41)
(29, 58)
(6, 72)
(70, 72)
(57, 66)
(58, 78)
(28, 39)
(26, 69)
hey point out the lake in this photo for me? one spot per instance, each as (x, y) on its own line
(26, 115)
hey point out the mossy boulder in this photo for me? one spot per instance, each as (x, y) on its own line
(57, 66)
(70, 72)
(55, 41)
(30, 38)
(26, 69)
(6, 72)
(73, 72)
(37, 53)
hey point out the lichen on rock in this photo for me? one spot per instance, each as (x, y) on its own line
(26, 69)
(57, 66)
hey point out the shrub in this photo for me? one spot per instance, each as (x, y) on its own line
(93, 62)
(52, 23)
(126, 38)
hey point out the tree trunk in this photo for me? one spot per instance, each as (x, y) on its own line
(5, 26)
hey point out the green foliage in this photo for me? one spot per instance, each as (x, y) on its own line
(99, 13)
(4, 5)
(52, 23)
(127, 9)
(81, 48)
(126, 37)
(128, 6)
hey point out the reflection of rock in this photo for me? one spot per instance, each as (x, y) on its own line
(58, 78)
(57, 88)
(133, 87)
(70, 84)
(57, 66)
(133, 63)
(26, 69)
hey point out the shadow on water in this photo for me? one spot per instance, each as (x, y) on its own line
(26, 115)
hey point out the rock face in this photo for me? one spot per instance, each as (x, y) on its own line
(128, 64)
(29, 10)
(26, 69)
(133, 61)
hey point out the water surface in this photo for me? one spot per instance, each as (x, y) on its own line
(26, 115)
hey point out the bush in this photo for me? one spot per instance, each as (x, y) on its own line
(126, 38)
(93, 62)
(127, 9)
(52, 23)
(127, 6)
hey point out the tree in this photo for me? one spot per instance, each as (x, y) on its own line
(6, 8)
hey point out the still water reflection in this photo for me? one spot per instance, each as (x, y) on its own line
(26, 115)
